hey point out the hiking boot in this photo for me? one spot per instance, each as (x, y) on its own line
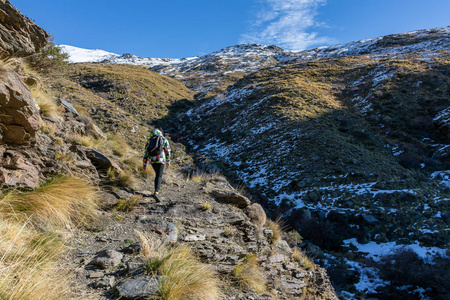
(157, 197)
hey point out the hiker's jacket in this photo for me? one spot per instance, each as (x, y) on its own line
(164, 157)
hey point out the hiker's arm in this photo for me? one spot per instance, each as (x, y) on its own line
(168, 152)
(144, 161)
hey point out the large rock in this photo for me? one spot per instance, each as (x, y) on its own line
(107, 259)
(257, 215)
(19, 36)
(232, 197)
(17, 170)
(19, 112)
(99, 160)
(138, 288)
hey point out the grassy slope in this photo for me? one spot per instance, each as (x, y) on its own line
(120, 98)
(321, 136)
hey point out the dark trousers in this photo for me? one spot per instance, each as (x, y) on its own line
(159, 169)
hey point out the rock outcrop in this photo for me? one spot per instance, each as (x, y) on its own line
(19, 112)
(19, 36)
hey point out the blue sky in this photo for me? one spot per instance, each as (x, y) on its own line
(180, 28)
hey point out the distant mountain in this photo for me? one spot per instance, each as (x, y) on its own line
(80, 55)
(224, 67)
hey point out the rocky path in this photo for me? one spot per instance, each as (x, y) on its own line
(106, 257)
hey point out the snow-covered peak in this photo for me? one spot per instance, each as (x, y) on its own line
(146, 61)
(79, 55)
(250, 50)
(419, 40)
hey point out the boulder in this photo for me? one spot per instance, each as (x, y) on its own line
(18, 170)
(68, 107)
(257, 215)
(107, 258)
(99, 160)
(232, 197)
(19, 36)
(138, 288)
(369, 219)
(19, 112)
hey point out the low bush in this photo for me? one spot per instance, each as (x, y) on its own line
(50, 60)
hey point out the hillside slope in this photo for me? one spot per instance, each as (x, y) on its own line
(349, 150)
(122, 98)
(349, 143)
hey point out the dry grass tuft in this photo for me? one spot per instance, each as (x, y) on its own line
(118, 145)
(27, 271)
(63, 201)
(126, 179)
(229, 231)
(249, 276)
(48, 128)
(128, 204)
(29, 246)
(134, 162)
(47, 104)
(277, 227)
(184, 277)
(199, 176)
(84, 140)
(301, 257)
(206, 206)
(187, 278)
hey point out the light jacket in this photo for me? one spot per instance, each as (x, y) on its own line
(164, 157)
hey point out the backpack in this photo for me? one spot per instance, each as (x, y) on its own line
(155, 145)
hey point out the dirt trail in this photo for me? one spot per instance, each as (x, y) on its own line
(221, 236)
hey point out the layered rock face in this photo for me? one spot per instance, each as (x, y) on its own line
(19, 112)
(20, 164)
(19, 36)
(27, 154)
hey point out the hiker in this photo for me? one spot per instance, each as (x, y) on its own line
(157, 152)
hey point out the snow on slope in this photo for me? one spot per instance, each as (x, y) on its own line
(429, 39)
(79, 55)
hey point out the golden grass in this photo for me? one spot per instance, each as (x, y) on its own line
(134, 162)
(63, 201)
(206, 206)
(128, 204)
(24, 278)
(301, 257)
(47, 104)
(48, 128)
(126, 179)
(249, 276)
(277, 227)
(198, 176)
(184, 277)
(27, 269)
(118, 145)
(84, 140)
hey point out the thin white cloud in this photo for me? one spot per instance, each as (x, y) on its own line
(287, 23)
